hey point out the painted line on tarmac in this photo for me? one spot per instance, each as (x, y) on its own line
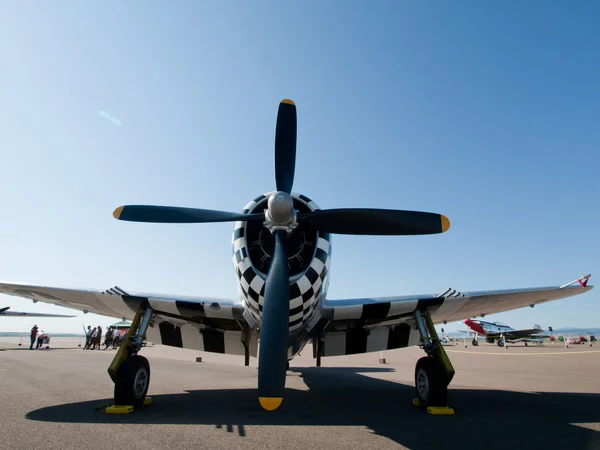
(525, 354)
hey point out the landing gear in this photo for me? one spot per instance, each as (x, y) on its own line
(500, 342)
(318, 342)
(129, 371)
(133, 379)
(430, 380)
(433, 372)
(475, 342)
(246, 344)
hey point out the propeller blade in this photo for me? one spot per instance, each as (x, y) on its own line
(272, 357)
(285, 146)
(174, 214)
(376, 222)
(6, 308)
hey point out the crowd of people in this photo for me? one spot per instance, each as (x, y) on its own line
(93, 338)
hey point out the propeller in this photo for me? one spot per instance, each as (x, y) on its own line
(281, 218)
(285, 146)
(174, 214)
(6, 308)
(359, 221)
(272, 357)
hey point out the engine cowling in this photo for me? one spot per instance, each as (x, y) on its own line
(308, 257)
(300, 243)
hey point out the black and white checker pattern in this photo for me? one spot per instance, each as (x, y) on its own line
(306, 293)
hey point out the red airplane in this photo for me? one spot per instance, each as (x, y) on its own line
(501, 333)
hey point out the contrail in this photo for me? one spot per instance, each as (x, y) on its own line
(110, 118)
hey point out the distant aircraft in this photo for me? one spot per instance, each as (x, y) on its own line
(281, 250)
(501, 333)
(5, 313)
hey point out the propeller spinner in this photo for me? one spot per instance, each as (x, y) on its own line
(281, 218)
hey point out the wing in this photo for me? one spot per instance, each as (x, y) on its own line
(372, 324)
(29, 314)
(518, 334)
(198, 323)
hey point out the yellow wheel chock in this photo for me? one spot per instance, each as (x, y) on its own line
(436, 410)
(440, 410)
(123, 409)
(119, 409)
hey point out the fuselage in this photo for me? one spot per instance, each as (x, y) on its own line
(309, 256)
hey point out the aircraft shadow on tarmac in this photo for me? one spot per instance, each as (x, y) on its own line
(345, 397)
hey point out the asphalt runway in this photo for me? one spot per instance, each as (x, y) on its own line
(545, 396)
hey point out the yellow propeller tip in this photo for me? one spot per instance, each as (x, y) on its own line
(288, 102)
(445, 224)
(270, 403)
(117, 212)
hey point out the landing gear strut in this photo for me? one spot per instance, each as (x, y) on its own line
(129, 371)
(501, 341)
(433, 372)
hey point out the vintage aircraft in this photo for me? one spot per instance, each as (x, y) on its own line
(281, 249)
(501, 333)
(4, 312)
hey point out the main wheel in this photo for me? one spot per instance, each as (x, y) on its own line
(431, 382)
(475, 343)
(500, 342)
(133, 379)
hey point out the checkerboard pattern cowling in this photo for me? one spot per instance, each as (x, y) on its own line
(305, 294)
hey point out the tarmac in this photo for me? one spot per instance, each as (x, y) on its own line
(515, 397)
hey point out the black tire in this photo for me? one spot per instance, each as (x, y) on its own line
(500, 342)
(475, 343)
(133, 380)
(431, 382)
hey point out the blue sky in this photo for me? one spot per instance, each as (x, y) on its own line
(487, 113)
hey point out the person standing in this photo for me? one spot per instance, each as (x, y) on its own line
(116, 338)
(93, 338)
(99, 338)
(88, 337)
(108, 338)
(33, 335)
